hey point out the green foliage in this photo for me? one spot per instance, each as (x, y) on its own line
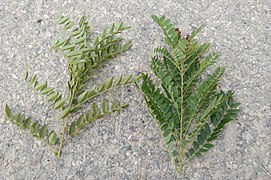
(188, 108)
(34, 128)
(84, 54)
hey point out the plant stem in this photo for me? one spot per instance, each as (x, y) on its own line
(62, 136)
(181, 120)
(64, 127)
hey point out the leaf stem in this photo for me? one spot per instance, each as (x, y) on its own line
(181, 118)
(64, 127)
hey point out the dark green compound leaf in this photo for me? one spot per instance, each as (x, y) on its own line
(208, 146)
(203, 150)
(195, 145)
(200, 140)
(191, 151)
(186, 106)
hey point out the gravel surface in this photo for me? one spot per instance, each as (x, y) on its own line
(127, 145)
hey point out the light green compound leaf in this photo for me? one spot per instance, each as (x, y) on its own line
(82, 97)
(52, 138)
(72, 128)
(120, 26)
(47, 90)
(80, 122)
(83, 56)
(88, 116)
(60, 104)
(74, 53)
(43, 132)
(20, 119)
(41, 86)
(56, 153)
(53, 96)
(115, 105)
(127, 46)
(118, 81)
(65, 113)
(62, 20)
(100, 88)
(26, 123)
(109, 82)
(79, 40)
(69, 25)
(126, 80)
(7, 111)
(137, 78)
(95, 109)
(68, 47)
(105, 106)
(33, 79)
(112, 28)
(103, 34)
(34, 127)
(26, 72)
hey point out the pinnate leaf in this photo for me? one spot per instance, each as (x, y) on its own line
(43, 132)
(72, 128)
(52, 138)
(7, 111)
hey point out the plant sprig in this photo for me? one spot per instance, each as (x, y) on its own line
(83, 56)
(189, 110)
